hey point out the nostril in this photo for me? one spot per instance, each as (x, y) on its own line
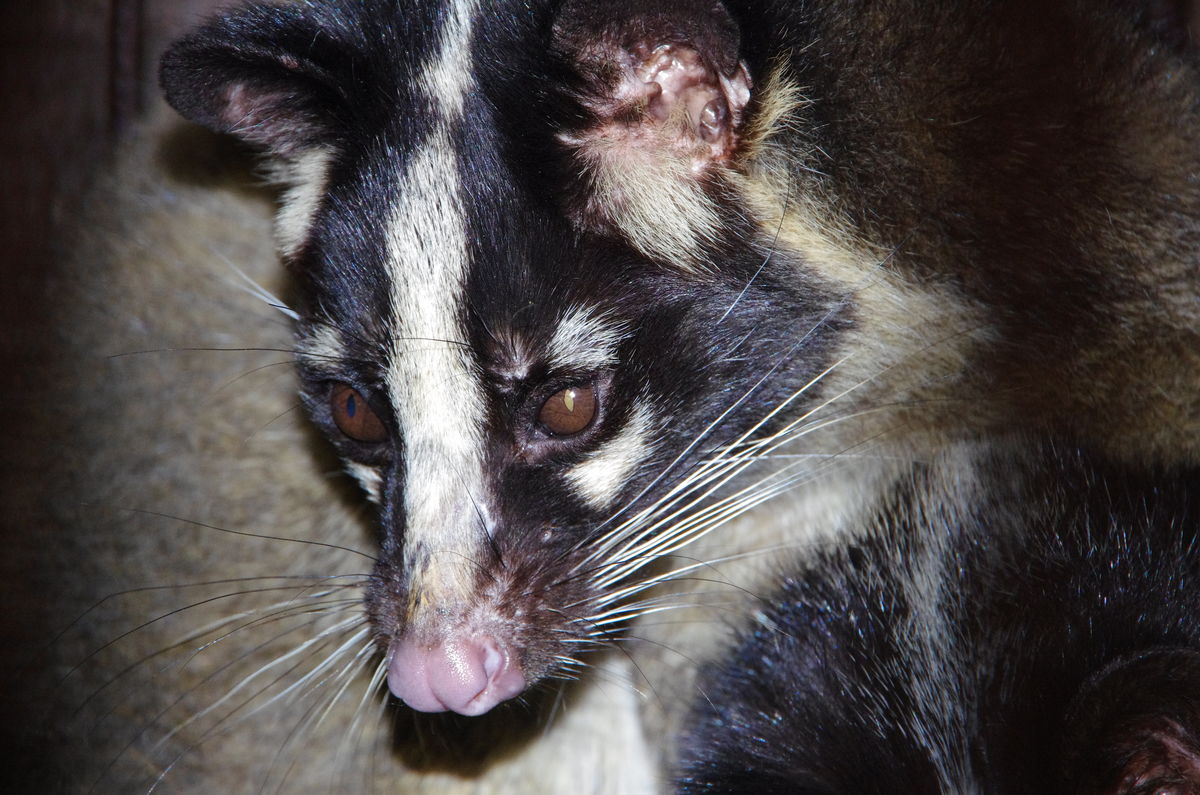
(479, 675)
(493, 659)
(504, 674)
(466, 675)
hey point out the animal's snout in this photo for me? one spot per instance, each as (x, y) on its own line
(464, 674)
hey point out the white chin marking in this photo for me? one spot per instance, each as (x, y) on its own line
(600, 478)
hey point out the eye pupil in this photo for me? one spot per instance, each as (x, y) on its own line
(354, 417)
(569, 411)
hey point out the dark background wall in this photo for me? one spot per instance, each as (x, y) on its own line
(73, 75)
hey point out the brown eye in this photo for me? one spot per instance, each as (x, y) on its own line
(570, 411)
(354, 417)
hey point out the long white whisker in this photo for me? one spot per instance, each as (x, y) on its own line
(255, 289)
(315, 641)
(371, 691)
(707, 484)
(685, 488)
(316, 715)
(238, 620)
(227, 722)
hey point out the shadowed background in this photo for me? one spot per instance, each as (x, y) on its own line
(73, 75)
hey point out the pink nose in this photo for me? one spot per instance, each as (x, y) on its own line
(464, 675)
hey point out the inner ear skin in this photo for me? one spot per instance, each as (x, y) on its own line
(669, 80)
(1134, 728)
(674, 86)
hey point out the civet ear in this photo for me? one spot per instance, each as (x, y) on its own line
(663, 95)
(273, 76)
(667, 77)
(1174, 21)
(1134, 728)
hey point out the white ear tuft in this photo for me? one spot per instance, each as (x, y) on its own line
(663, 95)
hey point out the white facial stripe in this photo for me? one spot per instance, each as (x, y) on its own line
(600, 478)
(435, 391)
(306, 178)
(585, 340)
(448, 78)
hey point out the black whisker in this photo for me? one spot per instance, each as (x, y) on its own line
(246, 534)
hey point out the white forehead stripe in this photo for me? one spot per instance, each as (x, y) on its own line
(437, 396)
(600, 478)
(585, 339)
(448, 78)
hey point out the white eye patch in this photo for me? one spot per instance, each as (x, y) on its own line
(600, 478)
(369, 479)
(585, 339)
